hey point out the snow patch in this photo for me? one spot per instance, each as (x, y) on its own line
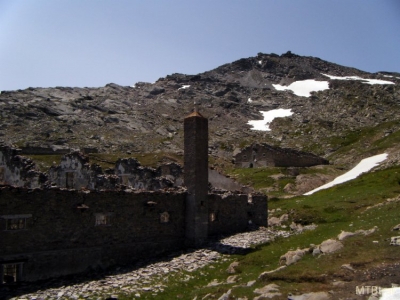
(364, 166)
(304, 87)
(249, 100)
(364, 80)
(269, 116)
(260, 62)
(184, 87)
(390, 293)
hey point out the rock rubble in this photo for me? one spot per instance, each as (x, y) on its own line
(146, 277)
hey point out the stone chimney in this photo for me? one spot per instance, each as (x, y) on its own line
(196, 178)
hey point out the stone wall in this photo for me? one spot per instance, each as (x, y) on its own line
(263, 155)
(232, 212)
(75, 172)
(67, 232)
(132, 174)
(17, 170)
(53, 232)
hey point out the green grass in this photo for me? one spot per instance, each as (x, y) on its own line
(368, 140)
(333, 210)
(107, 160)
(263, 179)
(44, 162)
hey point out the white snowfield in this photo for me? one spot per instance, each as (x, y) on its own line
(364, 80)
(269, 116)
(304, 87)
(390, 294)
(364, 166)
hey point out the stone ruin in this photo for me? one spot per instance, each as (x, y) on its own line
(18, 170)
(75, 172)
(78, 217)
(264, 155)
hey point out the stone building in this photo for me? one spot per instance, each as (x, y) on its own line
(264, 155)
(18, 170)
(50, 231)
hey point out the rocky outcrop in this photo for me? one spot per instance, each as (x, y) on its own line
(147, 117)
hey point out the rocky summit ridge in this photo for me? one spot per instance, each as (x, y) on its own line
(351, 118)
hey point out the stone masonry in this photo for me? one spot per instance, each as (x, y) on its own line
(263, 155)
(196, 178)
(48, 231)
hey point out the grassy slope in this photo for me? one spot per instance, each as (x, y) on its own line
(340, 208)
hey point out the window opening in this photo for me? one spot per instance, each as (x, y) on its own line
(10, 273)
(69, 180)
(103, 219)
(213, 217)
(164, 217)
(124, 179)
(2, 175)
(16, 222)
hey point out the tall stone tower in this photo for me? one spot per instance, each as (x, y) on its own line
(196, 178)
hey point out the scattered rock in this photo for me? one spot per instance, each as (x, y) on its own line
(268, 291)
(347, 267)
(310, 296)
(316, 251)
(367, 232)
(395, 240)
(284, 218)
(214, 283)
(397, 227)
(225, 296)
(330, 246)
(264, 274)
(339, 283)
(232, 279)
(232, 267)
(344, 235)
(251, 283)
(274, 221)
(292, 257)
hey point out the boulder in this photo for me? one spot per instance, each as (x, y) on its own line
(316, 251)
(347, 267)
(344, 235)
(155, 90)
(292, 257)
(284, 218)
(268, 291)
(274, 221)
(330, 246)
(225, 296)
(232, 267)
(367, 232)
(397, 227)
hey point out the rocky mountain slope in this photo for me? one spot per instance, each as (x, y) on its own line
(351, 119)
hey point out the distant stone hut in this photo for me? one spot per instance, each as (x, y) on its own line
(264, 155)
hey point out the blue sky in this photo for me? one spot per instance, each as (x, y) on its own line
(47, 43)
